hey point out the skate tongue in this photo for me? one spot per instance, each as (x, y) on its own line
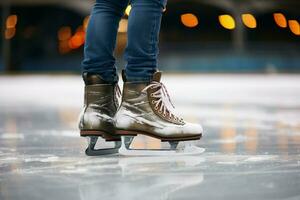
(156, 76)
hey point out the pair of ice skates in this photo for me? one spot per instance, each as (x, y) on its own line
(145, 109)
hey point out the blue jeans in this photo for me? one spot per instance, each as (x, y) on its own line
(142, 43)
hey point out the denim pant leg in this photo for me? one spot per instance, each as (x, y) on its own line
(101, 38)
(143, 34)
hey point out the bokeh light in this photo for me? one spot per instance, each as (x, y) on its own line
(294, 27)
(86, 22)
(280, 20)
(11, 21)
(249, 20)
(189, 20)
(64, 33)
(128, 9)
(76, 41)
(10, 33)
(227, 21)
(123, 26)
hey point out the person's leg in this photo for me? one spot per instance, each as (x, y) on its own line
(100, 77)
(146, 107)
(101, 38)
(143, 34)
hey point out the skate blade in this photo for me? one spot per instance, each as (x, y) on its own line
(91, 151)
(188, 150)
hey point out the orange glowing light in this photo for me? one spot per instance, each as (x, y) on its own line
(10, 33)
(123, 26)
(11, 21)
(280, 20)
(76, 41)
(189, 20)
(252, 143)
(228, 134)
(294, 27)
(80, 32)
(249, 20)
(227, 21)
(86, 22)
(64, 33)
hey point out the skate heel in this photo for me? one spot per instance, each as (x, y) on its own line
(97, 133)
(84, 133)
(126, 133)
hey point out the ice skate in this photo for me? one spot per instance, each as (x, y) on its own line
(146, 109)
(96, 119)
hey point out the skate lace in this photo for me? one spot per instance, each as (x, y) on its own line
(163, 101)
(118, 93)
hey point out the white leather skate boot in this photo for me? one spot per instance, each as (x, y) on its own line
(146, 109)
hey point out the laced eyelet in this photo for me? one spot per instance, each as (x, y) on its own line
(164, 115)
(159, 111)
(151, 95)
(153, 101)
(156, 107)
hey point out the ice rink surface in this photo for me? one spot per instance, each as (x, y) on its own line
(252, 142)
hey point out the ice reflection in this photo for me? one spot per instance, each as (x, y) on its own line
(160, 186)
(148, 177)
(133, 165)
(228, 135)
(251, 141)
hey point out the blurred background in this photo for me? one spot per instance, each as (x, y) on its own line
(232, 66)
(243, 36)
